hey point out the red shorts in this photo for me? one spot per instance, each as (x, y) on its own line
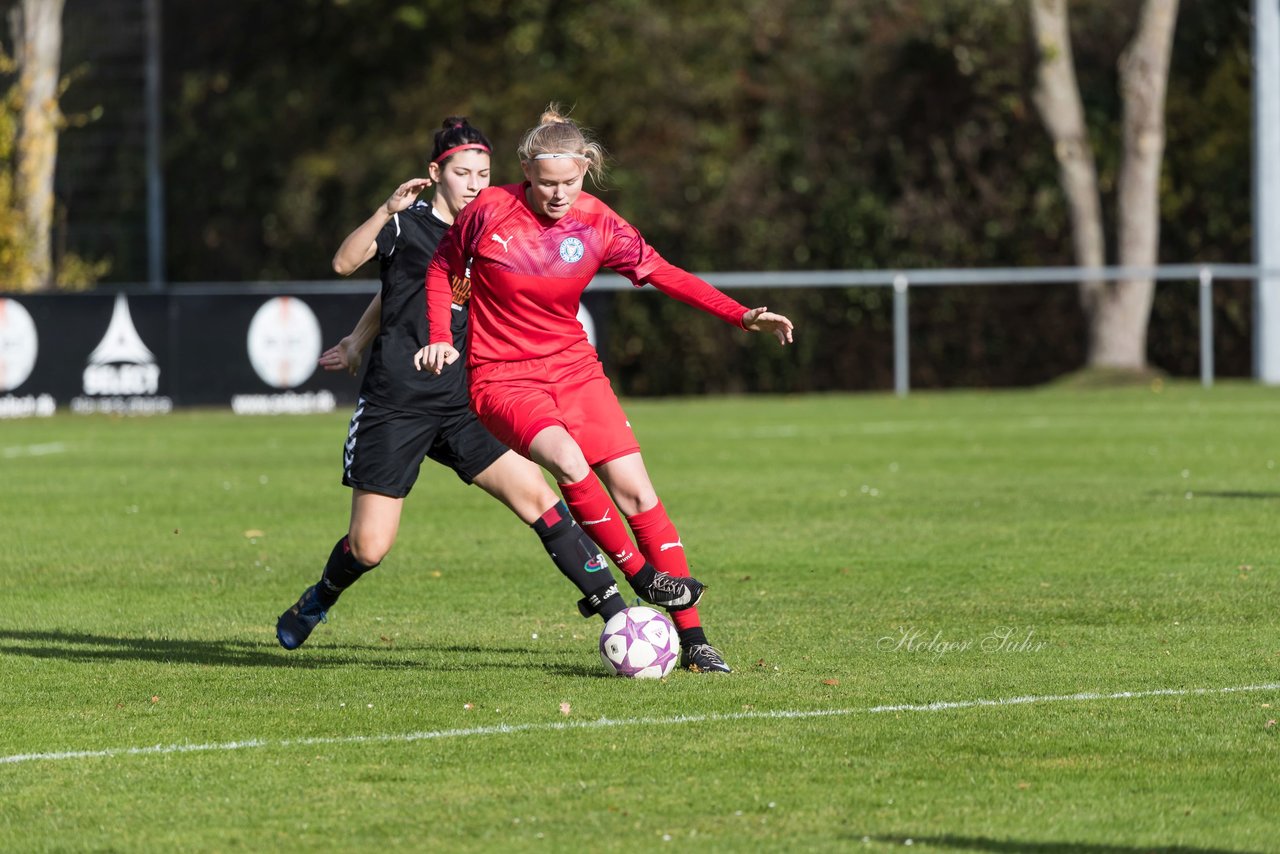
(517, 400)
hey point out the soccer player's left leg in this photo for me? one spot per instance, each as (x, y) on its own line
(554, 449)
(295, 625)
(342, 571)
(375, 519)
(660, 544)
(659, 541)
(579, 560)
(519, 484)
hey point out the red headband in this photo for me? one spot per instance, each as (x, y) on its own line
(457, 148)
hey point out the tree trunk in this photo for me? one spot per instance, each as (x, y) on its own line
(1117, 313)
(1057, 97)
(39, 49)
(1144, 77)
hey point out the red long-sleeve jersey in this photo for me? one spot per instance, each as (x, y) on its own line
(528, 272)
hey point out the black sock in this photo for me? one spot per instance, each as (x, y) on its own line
(643, 577)
(340, 572)
(578, 559)
(692, 636)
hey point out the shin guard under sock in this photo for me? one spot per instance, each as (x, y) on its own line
(660, 544)
(578, 559)
(601, 521)
(659, 541)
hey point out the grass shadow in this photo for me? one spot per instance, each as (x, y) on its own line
(85, 647)
(1023, 846)
(1256, 496)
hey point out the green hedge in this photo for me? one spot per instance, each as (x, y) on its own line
(961, 337)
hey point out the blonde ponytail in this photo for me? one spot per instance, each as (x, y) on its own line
(557, 135)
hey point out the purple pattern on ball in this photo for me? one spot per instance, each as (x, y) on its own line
(631, 632)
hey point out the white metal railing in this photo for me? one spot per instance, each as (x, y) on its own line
(900, 280)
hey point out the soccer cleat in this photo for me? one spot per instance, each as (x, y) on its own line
(667, 591)
(703, 658)
(295, 625)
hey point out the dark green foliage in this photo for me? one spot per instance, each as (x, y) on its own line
(756, 135)
(659, 346)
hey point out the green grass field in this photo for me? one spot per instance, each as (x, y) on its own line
(875, 567)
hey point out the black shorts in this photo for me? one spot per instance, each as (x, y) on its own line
(385, 447)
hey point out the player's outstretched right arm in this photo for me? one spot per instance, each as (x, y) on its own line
(361, 244)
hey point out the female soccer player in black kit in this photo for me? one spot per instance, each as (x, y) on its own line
(404, 415)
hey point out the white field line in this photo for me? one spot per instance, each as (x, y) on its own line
(606, 723)
(32, 450)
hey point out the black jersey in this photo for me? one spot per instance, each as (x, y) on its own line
(405, 246)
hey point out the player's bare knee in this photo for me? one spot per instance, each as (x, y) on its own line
(633, 499)
(528, 499)
(539, 498)
(369, 550)
(565, 462)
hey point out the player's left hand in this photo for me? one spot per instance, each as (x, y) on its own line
(762, 320)
(434, 357)
(343, 356)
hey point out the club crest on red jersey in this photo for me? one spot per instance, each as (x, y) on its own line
(571, 250)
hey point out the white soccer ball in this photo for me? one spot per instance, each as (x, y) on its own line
(640, 643)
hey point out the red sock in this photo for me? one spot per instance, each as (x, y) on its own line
(686, 619)
(659, 541)
(601, 521)
(660, 544)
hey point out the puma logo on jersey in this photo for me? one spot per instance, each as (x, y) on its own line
(676, 545)
(604, 518)
(500, 240)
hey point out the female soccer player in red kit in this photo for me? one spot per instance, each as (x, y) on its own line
(404, 417)
(536, 382)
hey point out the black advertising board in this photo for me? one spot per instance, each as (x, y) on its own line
(257, 353)
(144, 353)
(138, 353)
(85, 352)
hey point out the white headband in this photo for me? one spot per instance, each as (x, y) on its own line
(559, 156)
